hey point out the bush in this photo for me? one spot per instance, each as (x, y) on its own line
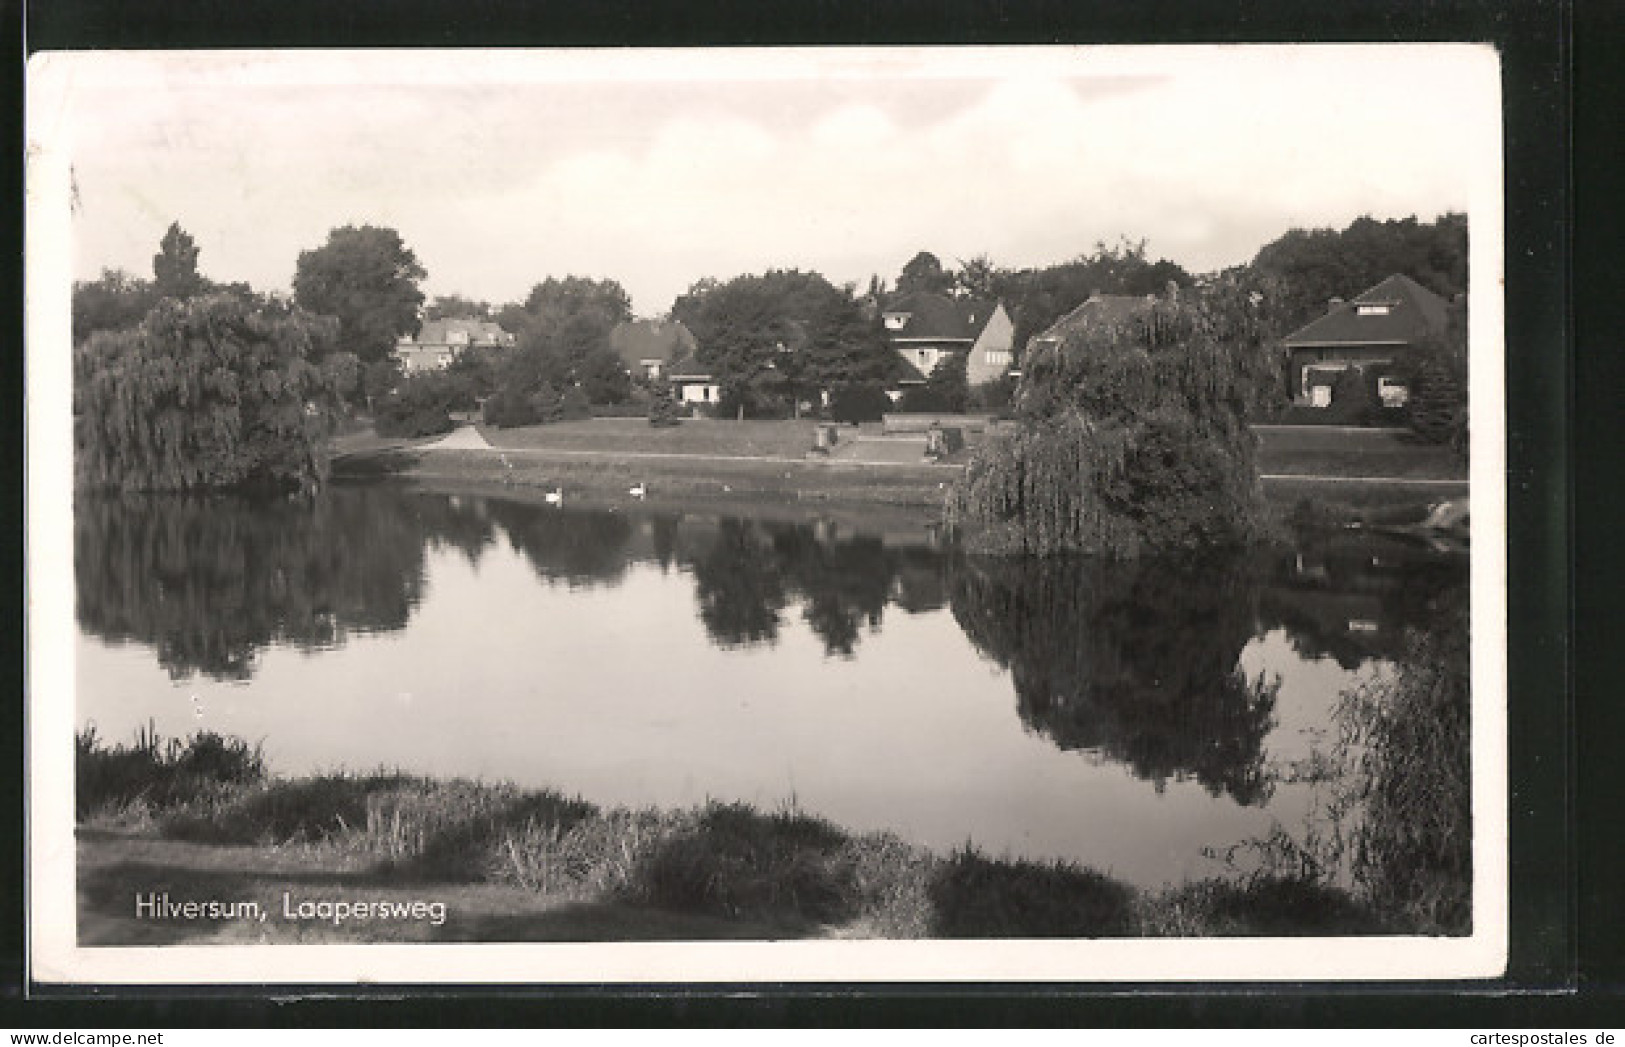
(404, 422)
(995, 398)
(625, 409)
(509, 408)
(574, 406)
(858, 402)
(922, 399)
(664, 411)
(756, 405)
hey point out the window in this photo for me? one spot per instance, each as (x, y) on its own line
(998, 356)
(1373, 309)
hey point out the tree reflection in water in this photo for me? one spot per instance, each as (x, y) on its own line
(209, 582)
(739, 586)
(580, 549)
(1138, 661)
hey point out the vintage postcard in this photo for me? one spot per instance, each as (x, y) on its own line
(798, 515)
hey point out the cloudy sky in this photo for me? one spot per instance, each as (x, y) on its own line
(658, 168)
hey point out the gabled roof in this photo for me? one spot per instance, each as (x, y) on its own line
(480, 332)
(936, 316)
(1413, 313)
(1099, 310)
(908, 374)
(635, 341)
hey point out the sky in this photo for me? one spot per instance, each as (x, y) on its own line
(658, 168)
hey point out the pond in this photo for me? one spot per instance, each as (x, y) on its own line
(1125, 716)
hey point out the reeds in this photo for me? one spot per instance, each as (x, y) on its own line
(784, 868)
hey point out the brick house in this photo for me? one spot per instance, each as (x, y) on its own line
(1372, 333)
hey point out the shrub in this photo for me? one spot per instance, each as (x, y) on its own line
(858, 402)
(636, 408)
(573, 405)
(922, 399)
(509, 408)
(996, 397)
(664, 411)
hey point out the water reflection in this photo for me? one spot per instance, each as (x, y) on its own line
(209, 582)
(1136, 661)
(1355, 596)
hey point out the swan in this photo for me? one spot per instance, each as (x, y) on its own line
(555, 496)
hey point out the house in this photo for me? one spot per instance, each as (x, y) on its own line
(926, 329)
(439, 342)
(1371, 333)
(647, 347)
(694, 386)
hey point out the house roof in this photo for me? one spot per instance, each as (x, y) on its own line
(936, 316)
(908, 374)
(479, 332)
(1414, 312)
(1098, 310)
(635, 341)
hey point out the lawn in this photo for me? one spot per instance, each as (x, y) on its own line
(1319, 451)
(750, 439)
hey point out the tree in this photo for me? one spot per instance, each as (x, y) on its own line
(1132, 438)
(366, 278)
(1316, 265)
(218, 391)
(174, 267)
(1039, 297)
(1438, 378)
(979, 278)
(455, 306)
(562, 334)
(785, 333)
(115, 301)
(924, 275)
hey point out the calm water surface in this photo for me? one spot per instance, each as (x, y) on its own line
(1125, 716)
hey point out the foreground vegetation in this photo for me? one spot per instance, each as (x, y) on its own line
(783, 872)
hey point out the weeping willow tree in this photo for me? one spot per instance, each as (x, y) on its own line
(214, 392)
(1131, 432)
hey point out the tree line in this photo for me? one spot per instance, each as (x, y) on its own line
(181, 381)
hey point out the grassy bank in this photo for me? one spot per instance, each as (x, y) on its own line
(704, 461)
(203, 820)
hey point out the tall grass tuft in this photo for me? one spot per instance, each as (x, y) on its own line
(151, 772)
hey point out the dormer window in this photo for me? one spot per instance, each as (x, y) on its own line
(896, 321)
(1374, 309)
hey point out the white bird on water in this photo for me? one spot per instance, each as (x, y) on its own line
(555, 496)
(640, 491)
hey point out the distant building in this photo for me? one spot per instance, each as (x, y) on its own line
(925, 329)
(647, 347)
(439, 342)
(695, 387)
(1374, 331)
(1098, 312)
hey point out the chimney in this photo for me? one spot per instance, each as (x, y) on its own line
(1332, 305)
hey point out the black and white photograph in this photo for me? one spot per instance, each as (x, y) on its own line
(867, 514)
